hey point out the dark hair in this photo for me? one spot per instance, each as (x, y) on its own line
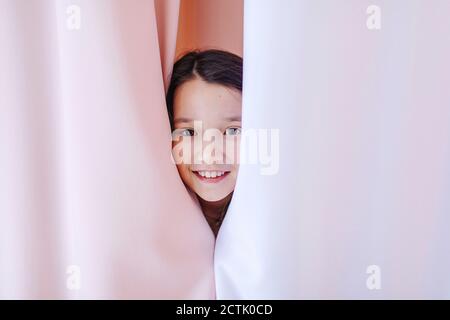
(213, 66)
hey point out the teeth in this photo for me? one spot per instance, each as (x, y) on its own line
(211, 174)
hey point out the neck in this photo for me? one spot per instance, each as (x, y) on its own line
(214, 211)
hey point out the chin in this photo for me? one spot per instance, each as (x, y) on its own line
(210, 197)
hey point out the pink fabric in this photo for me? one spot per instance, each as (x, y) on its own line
(167, 25)
(206, 24)
(86, 173)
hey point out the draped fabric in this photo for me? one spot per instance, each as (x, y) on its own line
(356, 206)
(363, 182)
(91, 205)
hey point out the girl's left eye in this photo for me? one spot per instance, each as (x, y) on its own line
(232, 131)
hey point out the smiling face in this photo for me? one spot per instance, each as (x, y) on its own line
(212, 170)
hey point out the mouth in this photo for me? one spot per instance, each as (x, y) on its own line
(211, 176)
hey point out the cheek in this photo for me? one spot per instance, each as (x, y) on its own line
(234, 174)
(232, 150)
(184, 173)
(183, 151)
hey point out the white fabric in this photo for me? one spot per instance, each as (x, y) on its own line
(364, 119)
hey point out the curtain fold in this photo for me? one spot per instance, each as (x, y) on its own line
(359, 207)
(91, 205)
(167, 13)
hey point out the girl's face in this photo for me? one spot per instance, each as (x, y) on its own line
(218, 109)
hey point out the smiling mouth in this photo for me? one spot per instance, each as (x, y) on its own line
(211, 176)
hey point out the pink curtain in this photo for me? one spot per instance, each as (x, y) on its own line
(91, 205)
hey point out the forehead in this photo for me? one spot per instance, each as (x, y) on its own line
(198, 99)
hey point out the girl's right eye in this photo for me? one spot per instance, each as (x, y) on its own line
(184, 132)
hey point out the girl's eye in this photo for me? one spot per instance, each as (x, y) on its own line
(184, 132)
(232, 131)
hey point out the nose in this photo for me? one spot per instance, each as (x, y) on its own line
(211, 150)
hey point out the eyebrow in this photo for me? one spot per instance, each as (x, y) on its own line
(182, 120)
(237, 118)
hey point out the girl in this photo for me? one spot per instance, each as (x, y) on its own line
(206, 89)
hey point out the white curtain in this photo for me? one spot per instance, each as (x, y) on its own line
(360, 206)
